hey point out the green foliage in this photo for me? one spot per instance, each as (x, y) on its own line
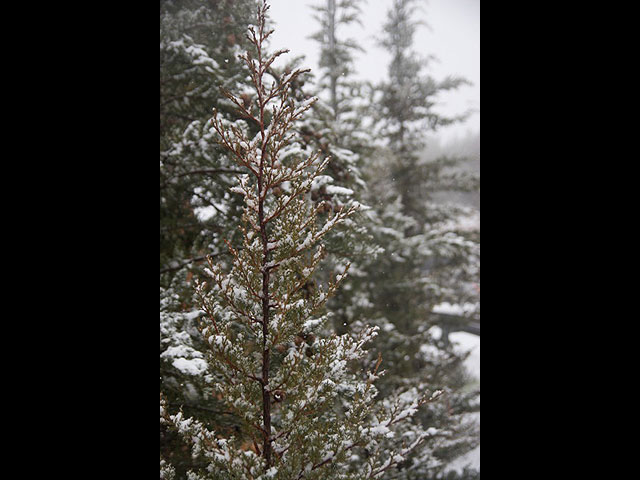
(199, 43)
(352, 162)
(302, 408)
(429, 255)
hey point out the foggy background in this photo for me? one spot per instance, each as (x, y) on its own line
(452, 34)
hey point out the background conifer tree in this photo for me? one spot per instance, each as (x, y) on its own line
(341, 122)
(429, 256)
(199, 43)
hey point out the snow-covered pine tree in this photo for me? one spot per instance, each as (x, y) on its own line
(336, 53)
(341, 127)
(199, 43)
(428, 257)
(338, 116)
(406, 183)
(300, 411)
(408, 100)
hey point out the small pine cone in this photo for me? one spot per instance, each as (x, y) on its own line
(281, 348)
(246, 100)
(279, 396)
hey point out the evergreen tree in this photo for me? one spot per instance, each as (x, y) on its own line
(339, 113)
(407, 111)
(340, 123)
(428, 257)
(336, 53)
(299, 408)
(199, 43)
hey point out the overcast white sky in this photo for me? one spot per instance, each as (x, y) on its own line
(453, 36)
